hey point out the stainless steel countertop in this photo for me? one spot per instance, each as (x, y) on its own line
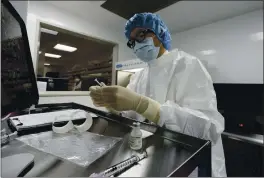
(164, 156)
(256, 139)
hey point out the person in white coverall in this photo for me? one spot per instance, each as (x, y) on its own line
(174, 91)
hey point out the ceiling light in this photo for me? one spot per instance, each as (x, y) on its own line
(65, 48)
(257, 36)
(133, 70)
(208, 52)
(40, 52)
(44, 30)
(52, 55)
(46, 64)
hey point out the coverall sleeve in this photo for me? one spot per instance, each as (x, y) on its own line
(195, 113)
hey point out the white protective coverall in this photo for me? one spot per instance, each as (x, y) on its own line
(184, 88)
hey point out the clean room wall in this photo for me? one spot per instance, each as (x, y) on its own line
(52, 15)
(238, 56)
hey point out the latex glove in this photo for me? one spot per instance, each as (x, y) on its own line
(95, 90)
(123, 99)
(111, 110)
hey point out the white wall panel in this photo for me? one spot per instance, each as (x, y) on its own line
(237, 43)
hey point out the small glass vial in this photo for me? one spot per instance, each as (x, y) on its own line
(135, 139)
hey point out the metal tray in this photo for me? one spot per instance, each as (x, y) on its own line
(170, 153)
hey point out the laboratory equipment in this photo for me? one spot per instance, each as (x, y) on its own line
(28, 123)
(101, 84)
(241, 105)
(120, 166)
(18, 86)
(55, 84)
(17, 72)
(97, 82)
(164, 149)
(135, 139)
(70, 125)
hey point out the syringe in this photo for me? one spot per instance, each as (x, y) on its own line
(101, 84)
(120, 166)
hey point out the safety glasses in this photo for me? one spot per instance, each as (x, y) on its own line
(140, 36)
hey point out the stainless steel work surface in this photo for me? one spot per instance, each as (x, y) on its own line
(164, 156)
(256, 139)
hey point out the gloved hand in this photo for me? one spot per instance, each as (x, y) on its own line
(123, 99)
(111, 110)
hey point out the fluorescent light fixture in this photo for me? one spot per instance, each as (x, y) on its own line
(133, 70)
(257, 36)
(52, 55)
(44, 30)
(40, 52)
(208, 52)
(46, 64)
(65, 48)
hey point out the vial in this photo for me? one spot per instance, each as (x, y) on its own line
(135, 139)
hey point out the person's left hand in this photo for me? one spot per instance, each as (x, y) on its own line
(116, 97)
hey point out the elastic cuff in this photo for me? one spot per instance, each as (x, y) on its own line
(161, 119)
(152, 112)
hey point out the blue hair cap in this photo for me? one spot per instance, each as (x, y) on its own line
(152, 22)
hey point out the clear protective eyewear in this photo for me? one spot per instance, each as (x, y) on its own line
(140, 36)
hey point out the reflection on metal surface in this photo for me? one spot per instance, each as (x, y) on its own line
(164, 156)
(121, 166)
(251, 138)
(169, 153)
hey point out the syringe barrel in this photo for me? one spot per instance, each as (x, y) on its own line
(120, 166)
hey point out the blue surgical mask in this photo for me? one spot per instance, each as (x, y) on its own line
(146, 50)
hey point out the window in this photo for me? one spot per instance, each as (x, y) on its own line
(68, 61)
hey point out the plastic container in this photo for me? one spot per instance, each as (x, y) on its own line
(135, 139)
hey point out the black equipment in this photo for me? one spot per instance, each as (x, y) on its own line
(18, 82)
